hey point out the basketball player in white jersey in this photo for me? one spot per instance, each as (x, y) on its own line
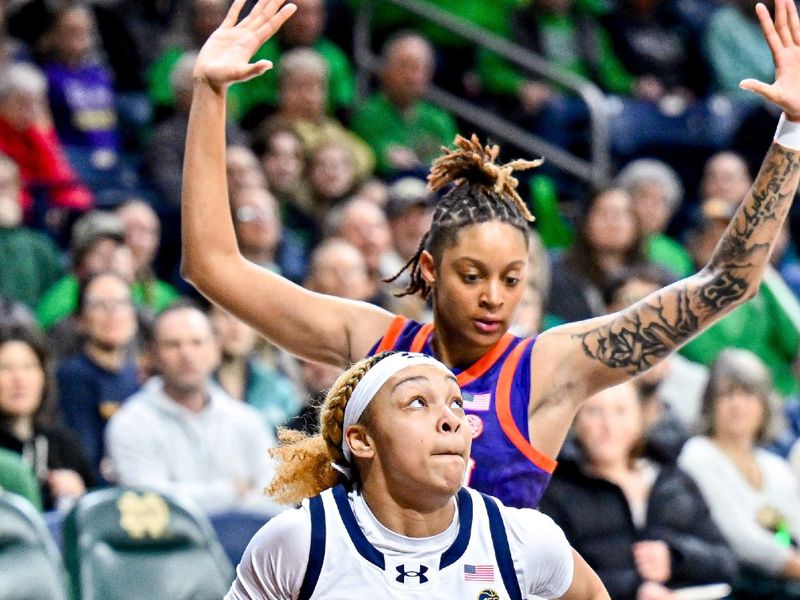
(388, 516)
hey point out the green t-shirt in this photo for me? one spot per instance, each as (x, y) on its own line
(560, 41)
(29, 264)
(159, 82)
(16, 477)
(764, 325)
(61, 300)
(423, 128)
(665, 251)
(264, 90)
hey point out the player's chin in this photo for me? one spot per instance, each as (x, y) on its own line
(451, 477)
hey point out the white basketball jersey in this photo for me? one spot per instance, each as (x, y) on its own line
(344, 565)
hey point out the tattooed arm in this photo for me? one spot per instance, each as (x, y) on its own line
(592, 355)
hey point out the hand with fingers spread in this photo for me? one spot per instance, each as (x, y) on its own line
(225, 57)
(783, 36)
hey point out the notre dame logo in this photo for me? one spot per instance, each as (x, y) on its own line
(419, 573)
(488, 595)
(143, 515)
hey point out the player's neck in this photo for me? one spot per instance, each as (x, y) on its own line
(411, 519)
(453, 350)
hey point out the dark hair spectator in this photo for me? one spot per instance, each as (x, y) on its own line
(27, 426)
(93, 383)
(608, 240)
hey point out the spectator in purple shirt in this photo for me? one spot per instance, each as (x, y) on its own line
(81, 93)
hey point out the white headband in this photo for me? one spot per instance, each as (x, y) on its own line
(370, 383)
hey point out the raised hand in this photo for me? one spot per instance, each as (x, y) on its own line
(225, 57)
(783, 36)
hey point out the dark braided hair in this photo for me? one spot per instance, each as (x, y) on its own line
(482, 191)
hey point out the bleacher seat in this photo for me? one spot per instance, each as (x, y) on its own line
(125, 543)
(30, 564)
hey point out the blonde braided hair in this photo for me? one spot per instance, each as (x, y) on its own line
(304, 464)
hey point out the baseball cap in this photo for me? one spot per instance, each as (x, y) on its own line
(92, 226)
(407, 192)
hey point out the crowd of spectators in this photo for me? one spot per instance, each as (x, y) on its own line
(114, 371)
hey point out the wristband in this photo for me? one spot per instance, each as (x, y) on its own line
(788, 133)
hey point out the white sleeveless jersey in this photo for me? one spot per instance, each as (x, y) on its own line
(497, 553)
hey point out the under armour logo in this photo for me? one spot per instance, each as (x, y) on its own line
(420, 574)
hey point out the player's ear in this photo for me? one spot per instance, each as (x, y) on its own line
(427, 268)
(361, 443)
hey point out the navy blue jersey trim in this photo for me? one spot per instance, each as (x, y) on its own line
(501, 550)
(316, 552)
(365, 549)
(459, 546)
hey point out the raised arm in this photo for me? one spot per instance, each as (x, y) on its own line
(314, 326)
(592, 355)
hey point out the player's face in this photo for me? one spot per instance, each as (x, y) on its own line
(480, 281)
(421, 440)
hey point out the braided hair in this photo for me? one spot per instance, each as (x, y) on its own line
(482, 191)
(305, 463)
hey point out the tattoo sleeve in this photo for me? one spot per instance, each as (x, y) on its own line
(636, 338)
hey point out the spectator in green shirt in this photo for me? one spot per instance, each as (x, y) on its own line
(97, 245)
(29, 261)
(303, 30)
(303, 96)
(405, 131)
(143, 235)
(656, 192)
(201, 18)
(567, 36)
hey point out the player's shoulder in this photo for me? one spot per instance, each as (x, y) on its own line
(288, 533)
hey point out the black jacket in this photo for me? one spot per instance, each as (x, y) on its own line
(596, 519)
(52, 447)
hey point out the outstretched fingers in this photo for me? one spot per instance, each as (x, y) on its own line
(276, 21)
(794, 23)
(233, 13)
(768, 28)
(262, 12)
(782, 23)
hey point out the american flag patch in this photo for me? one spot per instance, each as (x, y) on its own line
(477, 402)
(478, 572)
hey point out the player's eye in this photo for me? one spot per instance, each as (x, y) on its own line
(417, 402)
(457, 402)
